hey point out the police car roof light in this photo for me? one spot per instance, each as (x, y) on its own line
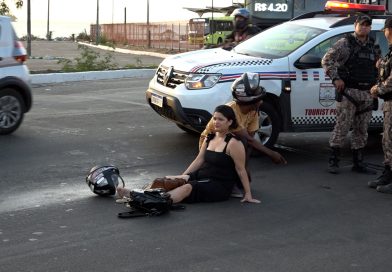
(341, 6)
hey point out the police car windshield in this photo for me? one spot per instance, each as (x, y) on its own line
(278, 41)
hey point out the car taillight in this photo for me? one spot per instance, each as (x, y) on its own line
(20, 52)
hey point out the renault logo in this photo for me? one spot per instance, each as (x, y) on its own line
(167, 76)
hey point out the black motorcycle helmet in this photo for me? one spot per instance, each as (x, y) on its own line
(103, 180)
(240, 24)
(246, 89)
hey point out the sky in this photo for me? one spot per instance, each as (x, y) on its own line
(67, 17)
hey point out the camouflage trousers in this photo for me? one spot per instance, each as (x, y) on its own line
(346, 119)
(387, 135)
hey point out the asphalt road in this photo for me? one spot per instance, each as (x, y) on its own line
(308, 220)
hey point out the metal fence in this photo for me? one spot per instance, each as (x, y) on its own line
(168, 36)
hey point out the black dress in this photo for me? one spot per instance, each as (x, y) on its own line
(215, 179)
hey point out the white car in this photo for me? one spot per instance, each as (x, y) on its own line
(15, 91)
(300, 96)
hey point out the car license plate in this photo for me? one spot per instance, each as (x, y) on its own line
(157, 100)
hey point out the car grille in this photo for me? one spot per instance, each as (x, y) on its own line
(169, 77)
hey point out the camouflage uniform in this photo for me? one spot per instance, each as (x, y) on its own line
(384, 90)
(387, 136)
(346, 117)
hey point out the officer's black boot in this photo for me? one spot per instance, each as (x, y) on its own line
(384, 179)
(333, 162)
(358, 165)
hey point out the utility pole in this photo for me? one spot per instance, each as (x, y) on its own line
(28, 29)
(212, 22)
(148, 25)
(97, 26)
(47, 25)
(125, 25)
(112, 11)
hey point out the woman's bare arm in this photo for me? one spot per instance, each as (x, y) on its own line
(236, 150)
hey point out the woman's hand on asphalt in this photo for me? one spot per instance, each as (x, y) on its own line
(250, 199)
(277, 158)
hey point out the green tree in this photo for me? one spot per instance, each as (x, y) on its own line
(5, 10)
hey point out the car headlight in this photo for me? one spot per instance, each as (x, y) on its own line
(201, 81)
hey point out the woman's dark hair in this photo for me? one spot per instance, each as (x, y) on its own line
(227, 112)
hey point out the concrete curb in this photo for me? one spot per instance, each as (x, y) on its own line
(93, 75)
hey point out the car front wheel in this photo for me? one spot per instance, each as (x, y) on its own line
(269, 123)
(11, 110)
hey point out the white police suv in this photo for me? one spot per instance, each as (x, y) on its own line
(187, 87)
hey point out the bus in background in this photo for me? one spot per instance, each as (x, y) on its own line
(209, 31)
(266, 13)
(196, 31)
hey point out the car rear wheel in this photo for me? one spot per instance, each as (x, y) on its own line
(269, 121)
(11, 110)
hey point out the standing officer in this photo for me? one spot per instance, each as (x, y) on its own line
(384, 90)
(351, 64)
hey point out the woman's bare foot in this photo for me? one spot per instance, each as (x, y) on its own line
(123, 192)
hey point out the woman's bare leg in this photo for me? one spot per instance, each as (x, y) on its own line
(186, 177)
(178, 194)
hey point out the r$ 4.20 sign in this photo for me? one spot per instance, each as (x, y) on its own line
(271, 6)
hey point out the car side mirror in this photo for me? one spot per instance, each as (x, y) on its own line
(308, 61)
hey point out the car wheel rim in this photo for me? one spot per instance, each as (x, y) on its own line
(265, 128)
(10, 111)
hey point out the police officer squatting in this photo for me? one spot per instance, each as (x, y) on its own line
(383, 90)
(351, 64)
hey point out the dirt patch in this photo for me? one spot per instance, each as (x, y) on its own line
(46, 54)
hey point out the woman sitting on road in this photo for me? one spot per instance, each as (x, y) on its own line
(218, 166)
